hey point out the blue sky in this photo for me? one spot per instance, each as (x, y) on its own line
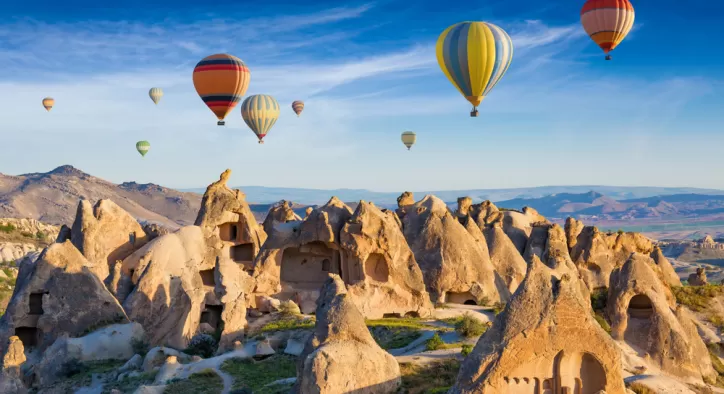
(367, 72)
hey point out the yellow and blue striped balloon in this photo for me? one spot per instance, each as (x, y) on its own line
(260, 112)
(474, 56)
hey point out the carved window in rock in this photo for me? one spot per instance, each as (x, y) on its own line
(36, 304)
(376, 267)
(207, 277)
(229, 232)
(211, 315)
(28, 336)
(326, 265)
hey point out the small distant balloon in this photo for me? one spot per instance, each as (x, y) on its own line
(260, 112)
(155, 94)
(143, 147)
(48, 103)
(221, 80)
(298, 107)
(607, 22)
(409, 138)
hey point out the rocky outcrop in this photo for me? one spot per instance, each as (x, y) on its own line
(518, 225)
(105, 233)
(698, 278)
(58, 295)
(31, 226)
(341, 356)
(546, 340)
(573, 229)
(177, 294)
(645, 317)
(484, 214)
(593, 258)
(229, 226)
(11, 378)
(506, 260)
(454, 265)
(366, 248)
(668, 273)
(14, 251)
(386, 277)
(280, 212)
(404, 201)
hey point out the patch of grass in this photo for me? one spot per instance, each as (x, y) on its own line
(204, 382)
(129, 384)
(498, 307)
(255, 375)
(288, 323)
(639, 388)
(407, 322)
(468, 326)
(717, 321)
(394, 337)
(602, 321)
(467, 349)
(428, 378)
(716, 363)
(80, 374)
(27, 234)
(697, 297)
(434, 343)
(7, 228)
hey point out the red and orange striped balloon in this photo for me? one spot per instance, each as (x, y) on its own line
(298, 107)
(221, 80)
(607, 22)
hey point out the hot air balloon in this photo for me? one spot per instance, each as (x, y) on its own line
(155, 94)
(221, 80)
(48, 103)
(143, 147)
(298, 107)
(607, 22)
(474, 56)
(409, 138)
(260, 112)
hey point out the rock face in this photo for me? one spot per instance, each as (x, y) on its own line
(698, 278)
(280, 212)
(229, 226)
(593, 258)
(179, 293)
(545, 341)
(667, 270)
(506, 260)
(454, 265)
(518, 226)
(11, 379)
(642, 316)
(366, 248)
(341, 356)
(105, 233)
(43, 307)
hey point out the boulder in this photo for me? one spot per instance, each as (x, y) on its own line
(229, 227)
(643, 315)
(546, 339)
(341, 356)
(11, 377)
(43, 307)
(109, 343)
(105, 233)
(698, 278)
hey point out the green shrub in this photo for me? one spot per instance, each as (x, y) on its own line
(468, 326)
(466, 350)
(7, 228)
(140, 346)
(203, 345)
(434, 343)
(696, 297)
(27, 234)
(498, 307)
(599, 299)
(39, 235)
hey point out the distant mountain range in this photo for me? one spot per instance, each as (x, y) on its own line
(52, 197)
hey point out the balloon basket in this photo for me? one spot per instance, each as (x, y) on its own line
(261, 142)
(474, 113)
(608, 57)
(221, 123)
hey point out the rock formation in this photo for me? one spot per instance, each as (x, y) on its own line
(593, 258)
(341, 356)
(280, 212)
(178, 293)
(229, 226)
(58, 295)
(518, 225)
(482, 214)
(646, 318)
(105, 233)
(11, 378)
(545, 341)
(367, 249)
(573, 229)
(698, 278)
(506, 260)
(667, 270)
(454, 265)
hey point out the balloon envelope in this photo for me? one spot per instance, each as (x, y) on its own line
(298, 107)
(48, 103)
(260, 112)
(221, 80)
(607, 22)
(409, 138)
(155, 94)
(143, 147)
(474, 56)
